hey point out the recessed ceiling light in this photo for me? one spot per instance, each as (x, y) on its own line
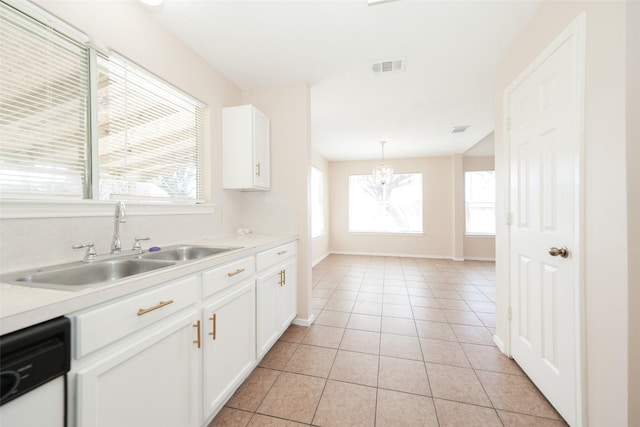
(375, 2)
(152, 2)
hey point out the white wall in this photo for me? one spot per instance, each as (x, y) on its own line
(285, 208)
(438, 203)
(483, 148)
(606, 284)
(443, 211)
(128, 29)
(633, 204)
(320, 244)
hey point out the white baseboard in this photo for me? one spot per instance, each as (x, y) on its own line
(498, 342)
(478, 258)
(304, 322)
(391, 255)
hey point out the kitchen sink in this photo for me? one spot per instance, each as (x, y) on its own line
(77, 275)
(88, 274)
(187, 253)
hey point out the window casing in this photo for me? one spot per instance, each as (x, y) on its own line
(124, 134)
(480, 202)
(317, 203)
(395, 207)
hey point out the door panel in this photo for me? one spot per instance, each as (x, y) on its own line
(229, 351)
(544, 145)
(550, 315)
(164, 392)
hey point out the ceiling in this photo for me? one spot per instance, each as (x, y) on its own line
(450, 49)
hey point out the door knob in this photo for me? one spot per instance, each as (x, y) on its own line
(563, 252)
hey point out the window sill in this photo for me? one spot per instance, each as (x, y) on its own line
(387, 233)
(13, 209)
(480, 235)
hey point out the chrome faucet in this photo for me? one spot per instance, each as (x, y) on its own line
(119, 216)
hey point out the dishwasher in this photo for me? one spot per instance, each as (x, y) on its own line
(33, 365)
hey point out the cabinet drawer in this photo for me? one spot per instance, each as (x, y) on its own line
(104, 325)
(274, 255)
(220, 278)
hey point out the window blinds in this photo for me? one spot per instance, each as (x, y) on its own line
(44, 91)
(148, 136)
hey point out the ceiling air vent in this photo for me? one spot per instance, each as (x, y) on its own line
(388, 66)
(459, 129)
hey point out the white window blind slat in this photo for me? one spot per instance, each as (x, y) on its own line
(43, 109)
(148, 133)
(149, 136)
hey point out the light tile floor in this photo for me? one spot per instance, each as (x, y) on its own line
(397, 342)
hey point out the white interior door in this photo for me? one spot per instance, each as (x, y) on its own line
(544, 110)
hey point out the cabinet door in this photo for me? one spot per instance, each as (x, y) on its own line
(229, 351)
(153, 382)
(288, 295)
(246, 149)
(269, 321)
(261, 150)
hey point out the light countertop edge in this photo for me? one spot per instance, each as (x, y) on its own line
(23, 306)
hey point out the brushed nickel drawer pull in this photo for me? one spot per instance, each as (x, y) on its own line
(282, 252)
(238, 271)
(155, 307)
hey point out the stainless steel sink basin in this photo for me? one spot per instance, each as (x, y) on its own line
(77, 276)
(87, 274)
(187, 253)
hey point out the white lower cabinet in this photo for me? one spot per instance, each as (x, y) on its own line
(276, 300)
(229, 352)
(152, 382)
(172, 355)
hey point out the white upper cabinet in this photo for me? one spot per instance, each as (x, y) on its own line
(246, 145)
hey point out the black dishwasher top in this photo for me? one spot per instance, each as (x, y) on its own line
(33, 356)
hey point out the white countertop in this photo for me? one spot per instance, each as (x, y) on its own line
(22, 306)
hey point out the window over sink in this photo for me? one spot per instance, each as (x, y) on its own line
(80, 124)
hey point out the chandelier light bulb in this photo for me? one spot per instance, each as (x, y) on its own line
(383, 171)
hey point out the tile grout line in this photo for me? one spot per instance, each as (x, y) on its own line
(418, 337)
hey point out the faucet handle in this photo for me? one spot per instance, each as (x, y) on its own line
(136, 245)
(91, 251)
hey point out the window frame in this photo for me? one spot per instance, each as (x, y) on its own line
(22, 207)
(476, 233)
(387, 233)
(169, 89)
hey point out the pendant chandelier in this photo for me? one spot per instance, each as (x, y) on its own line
(383, 171)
